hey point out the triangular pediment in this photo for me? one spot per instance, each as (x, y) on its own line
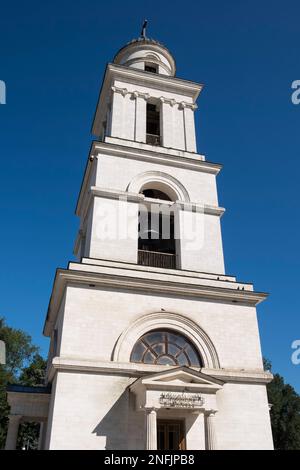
(181, 378)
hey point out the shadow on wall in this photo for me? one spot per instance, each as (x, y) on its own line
(123, 427)
(114, 425)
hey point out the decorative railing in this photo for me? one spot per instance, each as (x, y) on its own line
(152, 139)
(157, 259)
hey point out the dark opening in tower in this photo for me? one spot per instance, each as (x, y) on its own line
(153, 124)
(156, 242)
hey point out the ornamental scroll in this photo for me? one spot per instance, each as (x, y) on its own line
(181, 400)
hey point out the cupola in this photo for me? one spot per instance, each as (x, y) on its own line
(146, 54)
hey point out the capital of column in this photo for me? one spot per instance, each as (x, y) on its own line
(170, 101)
(138, 94)
(150, 409)
(210, 413)
(122, 91)
(183, 105)
(14, 418)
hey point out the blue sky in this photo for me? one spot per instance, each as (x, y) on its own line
(52, 58)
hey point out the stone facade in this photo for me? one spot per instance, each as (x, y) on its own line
(105, 302)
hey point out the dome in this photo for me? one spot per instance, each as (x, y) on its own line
(146, 54)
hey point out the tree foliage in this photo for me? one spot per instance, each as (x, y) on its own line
(23, 366)
(19, 349)
(34, 374)
(285, 413)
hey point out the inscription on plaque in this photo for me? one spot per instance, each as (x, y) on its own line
(181, 400)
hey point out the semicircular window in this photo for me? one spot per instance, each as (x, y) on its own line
(165, 347)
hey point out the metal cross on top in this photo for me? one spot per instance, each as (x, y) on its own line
(143, 32)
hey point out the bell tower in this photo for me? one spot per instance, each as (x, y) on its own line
(152, 345)
(146, 155)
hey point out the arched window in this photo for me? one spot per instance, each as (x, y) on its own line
(165, 347)
(151, 67)
(156, 242)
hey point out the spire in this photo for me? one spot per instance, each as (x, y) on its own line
(143, 32)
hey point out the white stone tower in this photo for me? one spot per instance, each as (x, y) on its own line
(152, 344)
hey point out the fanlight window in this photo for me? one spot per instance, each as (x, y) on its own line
(165, 348)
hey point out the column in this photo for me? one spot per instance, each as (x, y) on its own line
(166, 122)
(178, 139)
(140, 116)
(189, 127)
(12, 432)
(117, 111)
(128, 128)
(151, 429)
(41, 435)
(210, 432)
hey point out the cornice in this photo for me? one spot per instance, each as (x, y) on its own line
(201, 208)
(116, 194)
(141, 370)
(189, 162)
(240, 375)
(163, 285)
(177, 272)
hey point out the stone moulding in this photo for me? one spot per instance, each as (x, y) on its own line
(66, 277)
(124, 151)
(138, 370)
(139, 198)
(166, 320)
(160, 178)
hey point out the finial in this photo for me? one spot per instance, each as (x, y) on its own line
(143, 32)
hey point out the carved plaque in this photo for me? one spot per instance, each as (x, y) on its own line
(181, 400)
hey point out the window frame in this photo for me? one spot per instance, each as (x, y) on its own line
(192, 358)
